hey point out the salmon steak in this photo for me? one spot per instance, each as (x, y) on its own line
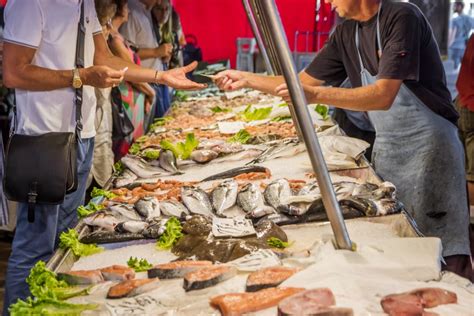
(117, 273)
(130, 288)
(176, 269)
(268, 277)
(235, 304)
(207, 277)
(81, 277)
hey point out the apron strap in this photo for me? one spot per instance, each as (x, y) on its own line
(379, 39)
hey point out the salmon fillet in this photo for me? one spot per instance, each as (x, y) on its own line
(118, 273)
(207, 277)
(268, 277)
(433, 297)
(235, 304)
(81, 277)
(176, 269)
(315, 301)
(130, 288)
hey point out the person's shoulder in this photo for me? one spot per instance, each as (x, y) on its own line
(398, 9)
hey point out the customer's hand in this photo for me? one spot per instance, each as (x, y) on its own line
(231, 80)
(176, 78)
(101, 76)
(164, 50)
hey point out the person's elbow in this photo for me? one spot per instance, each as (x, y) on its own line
(11, 76)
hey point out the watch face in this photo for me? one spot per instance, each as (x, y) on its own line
(77, 83)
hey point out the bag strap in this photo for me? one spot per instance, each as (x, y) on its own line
(81, 33)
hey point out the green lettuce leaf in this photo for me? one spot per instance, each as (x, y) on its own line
(134, 149)
(139, 265)
(256, 114)
(322, 110)
(281, 118)
(118, 168)
(70, 239)
(282, 105)
(159, 122)
(151, 154)
(100, 192)
(180, 96)
(180, 149)
(241, 136)
(218, 109)
(171, 235)
(90, 208)
(278, 243)
(48, 307)
(141, 139)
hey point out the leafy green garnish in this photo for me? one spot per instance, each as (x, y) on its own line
(322, 110)
(180, 149)
(139, 265)
(134, 149)
(281, 118)
(180, 96)
(256, 114)
(90, 208)
(141, 139)
(48, 307)
(171, 235)
(241, 136)
(100, 192)
(218, 109)
(151, 154)
(70, 239)
(159, 122)
(118, 167)
(282, 105)
(277, 243)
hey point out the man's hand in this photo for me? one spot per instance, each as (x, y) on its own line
(101, 76)
(232, 80)
(164, 50)
(176, 78)
(310, 92)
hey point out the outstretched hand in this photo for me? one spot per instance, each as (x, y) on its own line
(229, 80)
(176, 78)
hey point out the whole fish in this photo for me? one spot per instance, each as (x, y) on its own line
(124, 212)
(148, 207)
(168, 161)
(228, 148)
(102, 219)
(155, 229)
(387, 206)
(126, 178)
(365, 206)
(131, 227)
(277, 191)
(235, 172)
(224, 196)
(141, 168)
(250, 199)
(196, 200)
(173, 208)
(203, 155)
(310, 189)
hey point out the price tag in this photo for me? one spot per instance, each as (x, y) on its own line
(230, 127)
(232, 227)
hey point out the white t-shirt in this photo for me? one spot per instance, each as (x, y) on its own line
(140, 33)
(50, 27)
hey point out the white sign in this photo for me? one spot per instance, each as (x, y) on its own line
(230, 127)
(232, 227)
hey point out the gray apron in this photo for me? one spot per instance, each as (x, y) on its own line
(420, 152)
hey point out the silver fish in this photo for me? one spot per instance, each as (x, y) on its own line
(203, 155)
(141, 168)
(224, 196)
(276, 192)
(124, 212)
(102, 219)
(173, 208)
(148, 207)
(127, 177)
(250, 199)
(310, 189)
(228, 148)
(155, 229)
(196, 200)
(131, 227)
(168, 161)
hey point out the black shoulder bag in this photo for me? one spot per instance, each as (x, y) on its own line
(42, 169)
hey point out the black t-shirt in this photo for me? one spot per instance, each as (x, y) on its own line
(410, 53)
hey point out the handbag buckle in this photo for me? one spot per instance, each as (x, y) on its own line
(32, 195)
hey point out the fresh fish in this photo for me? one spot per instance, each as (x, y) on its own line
(312, 302)
(155, 228)
(135, 227)
(365, 190)
(385, 190)
(227, 148)
(124, 212)
(310, 189)
(148, 207)
(294, 209)
(117, 273)
(176, 269)
(126, 178)
(203, 155)
(250, 199)
(168, 162)
(131, 288)
(207, 277)
(276, 191)
(365, 206)
(196, 200)
(387, 206)
(235, 172)
(210, 143)
(268, 277)
(224, 196)
(105, 237)
(278, 149)
(81, 277)
(141, 168)
(173, 208)
(102, 219)
(243, 303)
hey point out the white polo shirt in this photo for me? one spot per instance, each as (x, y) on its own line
(50, 27)
(139, 31)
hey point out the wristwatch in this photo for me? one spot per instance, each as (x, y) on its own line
(76, 79)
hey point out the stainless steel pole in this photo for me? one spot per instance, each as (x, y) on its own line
(298, 98)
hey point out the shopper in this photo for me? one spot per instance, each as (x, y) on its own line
(461, 27)
(397, 75)
(38, 61)
(139, 31)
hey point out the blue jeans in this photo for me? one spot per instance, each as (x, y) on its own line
(456, 55)
(163, 101)
(38, 240)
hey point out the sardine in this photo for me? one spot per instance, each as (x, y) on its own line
(141, 168)
(135, 227)
(126, 178)
(168, 162)
(203, 155)
(155, 229)
(173, 208)
(235, 172)
(124, 212)
(102, 219)
(148, 207)
(277, 191)
(224, 196)
(250, 199)
(196, 200)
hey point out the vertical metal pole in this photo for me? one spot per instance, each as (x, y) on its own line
(302, 116)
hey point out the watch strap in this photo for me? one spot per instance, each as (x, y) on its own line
(81, 32)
